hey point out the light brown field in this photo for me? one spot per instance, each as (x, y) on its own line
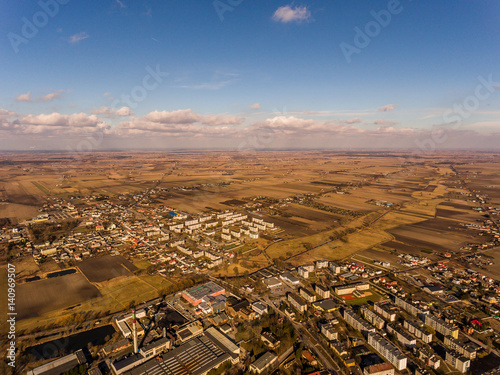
(418, 187)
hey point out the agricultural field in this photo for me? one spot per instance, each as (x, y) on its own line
(38, 297)
(105, 268)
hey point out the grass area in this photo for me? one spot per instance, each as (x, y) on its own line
(374, 297)
(116, 295)
(142, 264)
(362, 239)
(42, 188)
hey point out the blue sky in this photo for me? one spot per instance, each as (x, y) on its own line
(229, 71)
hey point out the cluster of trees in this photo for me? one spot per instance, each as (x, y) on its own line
(50, 232)
(182, 284)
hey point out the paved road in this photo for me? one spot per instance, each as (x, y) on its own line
(310, 341)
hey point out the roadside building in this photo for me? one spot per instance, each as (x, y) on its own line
(458, 361)
(307, 295)
(379, 369)
(392, 354)
(441, 326)
(322, 291)
(297, 302)
(264, 362)
(386, 310)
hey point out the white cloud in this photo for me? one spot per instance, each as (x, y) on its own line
(187, 116)
(286, 14)
(5, 114)
(355, 120)
(255, 106)
(388, 108)
(110, 112)
(51, 96)
(78, 37)
(24, 97)
(121, 4)
(385, 122)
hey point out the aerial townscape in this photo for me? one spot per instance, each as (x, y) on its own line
(232, 187)
(275, 262)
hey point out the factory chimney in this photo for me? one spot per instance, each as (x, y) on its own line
(136, 349)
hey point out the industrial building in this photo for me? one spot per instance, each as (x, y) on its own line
(60, 365)
(196, 294)
(195, 357)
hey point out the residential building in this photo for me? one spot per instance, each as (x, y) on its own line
(270, 339)
(305, 270)
(402, 336)
(334, 267)
(322, 291)
(458, 361)
(412, 308)
(373, 318)
(392, 354)
(386, 310)
(307, 295)
(328, 330)
(355, 321)
(418, 329)
(466, 349)
(321, 264)
(441, 326)
(297, 302)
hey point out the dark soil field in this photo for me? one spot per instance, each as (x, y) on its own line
(462, 206)
(402, 247)
(441, 224)
(41, 296)
(291, 226)
(310, 214)
(106, 268)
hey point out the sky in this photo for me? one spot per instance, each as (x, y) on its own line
(249, 75)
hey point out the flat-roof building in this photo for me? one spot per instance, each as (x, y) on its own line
(357, 322)
(458, 361)
(197, 356)
(297, 302)
(263, 362)
(392, 354)
(441, 326)
(196, 294)
(60, 365)
(379, 369)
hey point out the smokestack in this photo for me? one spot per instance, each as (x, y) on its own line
(136, 349)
